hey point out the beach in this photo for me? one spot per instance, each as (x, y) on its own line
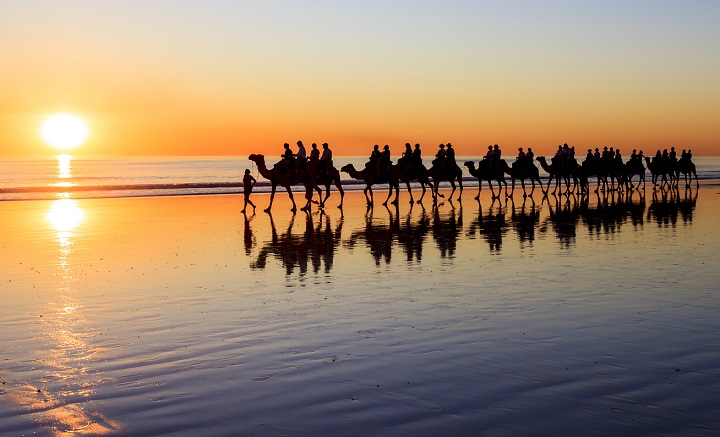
(181, 316)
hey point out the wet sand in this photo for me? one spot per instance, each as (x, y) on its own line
(181, 316)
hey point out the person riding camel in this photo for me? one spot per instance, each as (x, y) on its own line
(673, 155)
(450, 155)
(520, 156)
(530, 156)
(385, 162)
(314, 154)
(407, 154)
(374, 159)
(489, 154)
(597, 155)
(288, 160)
(440, 157)
(633, 155)
(326, 159)
(417, 155)
(301, 155)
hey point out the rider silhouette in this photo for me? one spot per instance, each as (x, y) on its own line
(417, 155)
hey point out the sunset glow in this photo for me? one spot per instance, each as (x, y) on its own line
(251, 76)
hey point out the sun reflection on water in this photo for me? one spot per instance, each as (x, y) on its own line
(57, 400)
(64, 174)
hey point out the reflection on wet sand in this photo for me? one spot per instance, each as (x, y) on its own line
(316, 245)
(491, 225)
(66, 330)
(668, 206)
(524, 219)
(384, 230)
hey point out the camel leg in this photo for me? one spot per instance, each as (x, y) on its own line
(492, 190)
(407, 184)
(479, 189)
(272, 197)
(368, 199)
(459, 198)
(452, 184)
(390, 188)
(321, 204)
(338, 185)
(289, 190)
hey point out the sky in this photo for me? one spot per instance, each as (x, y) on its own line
(225, 77)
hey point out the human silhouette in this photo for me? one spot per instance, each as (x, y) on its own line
(248, 184)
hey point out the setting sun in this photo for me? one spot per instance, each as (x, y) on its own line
(64, 131)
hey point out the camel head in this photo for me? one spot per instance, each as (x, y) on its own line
(347, 168)
(541, 159)
(470, 165)
(256, 158)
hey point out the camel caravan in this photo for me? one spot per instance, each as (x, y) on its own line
(316, 171)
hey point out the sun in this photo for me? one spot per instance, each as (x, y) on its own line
(64, 131)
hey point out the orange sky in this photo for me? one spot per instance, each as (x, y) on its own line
(224, 78)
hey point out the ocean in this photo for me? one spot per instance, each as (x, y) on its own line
(64, 176)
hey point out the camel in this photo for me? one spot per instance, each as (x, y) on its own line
(332, 177)
(658, 169)
(408, 172)
(522, 171)
(277, 178)
(485, 172)
(372, 177)
(438, 174)
(589, 167)
(632, 168)
(558, 171)
(687, 168)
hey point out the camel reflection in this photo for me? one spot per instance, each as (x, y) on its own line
(446, 229)
(316, 245)
(670, 205)
(380, 235)
(613, 210)
(604, 217)
(524, 219)
(411, 234)
(491, 225)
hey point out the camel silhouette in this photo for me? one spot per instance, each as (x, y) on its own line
(407, 171)
(486, 172)
(325, 179)
(686, 167)
(521, 171)
(439, 173)
(372, 177)
(567, 172)
(660, 169)
(276, 177)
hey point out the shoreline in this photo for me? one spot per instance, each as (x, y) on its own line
(352, 186)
